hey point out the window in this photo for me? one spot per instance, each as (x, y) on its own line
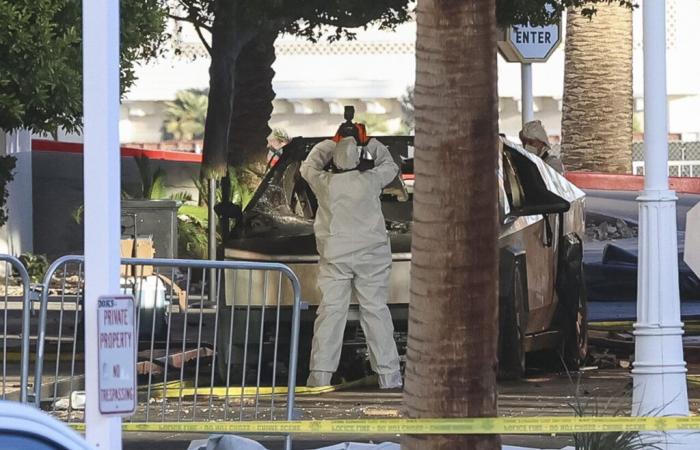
(18, 440)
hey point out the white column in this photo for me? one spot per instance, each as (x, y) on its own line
(659, 369)
(16, 237)
(526, 92)
(102, 200)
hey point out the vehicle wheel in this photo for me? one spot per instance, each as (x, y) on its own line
(235, 374)
(572, 296)
(512, 357)
(230, 348)
(354, 357)
(154, 322)
(232, 371)
(306, 334)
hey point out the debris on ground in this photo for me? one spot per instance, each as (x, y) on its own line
(373, 411)
(62, 404)
(607, 230)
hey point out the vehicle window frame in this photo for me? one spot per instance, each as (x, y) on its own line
(48, 444)
(294, 153)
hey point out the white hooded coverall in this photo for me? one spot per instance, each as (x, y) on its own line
(355, 257)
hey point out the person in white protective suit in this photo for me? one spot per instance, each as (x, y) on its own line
(355, 255)
(535, 140)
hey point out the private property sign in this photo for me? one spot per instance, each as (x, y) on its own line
(528, 44)
(117, 341)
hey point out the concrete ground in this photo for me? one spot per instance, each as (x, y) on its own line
(539, 393)
(606, 384)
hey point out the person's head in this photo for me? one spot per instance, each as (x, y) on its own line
(358, 131)
(534, 137)
(345, 154)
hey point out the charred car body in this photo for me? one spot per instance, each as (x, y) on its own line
(542, 299)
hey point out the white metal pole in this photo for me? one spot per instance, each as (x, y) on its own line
(102, 200)
(659, 369)
(526, 92)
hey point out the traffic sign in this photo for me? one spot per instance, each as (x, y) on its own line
(528, 44)
(117, 343)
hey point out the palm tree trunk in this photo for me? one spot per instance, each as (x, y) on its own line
(453, 317)
(229, 37)
(253, 106)
(597, 111)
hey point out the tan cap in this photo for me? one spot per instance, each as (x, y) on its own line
(535, 131)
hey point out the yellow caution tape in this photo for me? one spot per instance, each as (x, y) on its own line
(176, 384)
(500, 425)
(176, 392)
(175, 389)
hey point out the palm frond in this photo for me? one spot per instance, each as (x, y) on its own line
(77, 214)
(157, 191)
(143, 164)
(584, 407)
(181, 196)
(185, 116)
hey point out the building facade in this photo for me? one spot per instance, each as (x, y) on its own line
(374, 73)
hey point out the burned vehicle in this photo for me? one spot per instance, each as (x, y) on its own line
(542, 298)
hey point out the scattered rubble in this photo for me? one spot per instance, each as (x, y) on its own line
(62, 404)
(606, 231)
(11, 291)
(373, 411)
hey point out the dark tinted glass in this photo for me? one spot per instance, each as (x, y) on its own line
(13, 440)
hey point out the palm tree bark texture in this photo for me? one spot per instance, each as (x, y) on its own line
(453, 316)
(228, 39)
(253, 92)
(598, 104)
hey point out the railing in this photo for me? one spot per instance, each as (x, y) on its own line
(675, 168)
(16, 277)
(199, 358)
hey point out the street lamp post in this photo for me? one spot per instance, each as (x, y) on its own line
(659, 369)
(527, 105)
(102, 200)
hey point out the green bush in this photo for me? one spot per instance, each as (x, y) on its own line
(192, 238)
(36, 266)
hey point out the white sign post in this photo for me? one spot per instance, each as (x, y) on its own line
(527, 44)
(117, 343)
(102, 196)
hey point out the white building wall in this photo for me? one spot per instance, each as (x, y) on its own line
(16, 235)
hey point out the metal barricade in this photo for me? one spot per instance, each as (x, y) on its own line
(199, 358)
(16, 313)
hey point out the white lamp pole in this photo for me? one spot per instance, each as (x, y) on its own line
(526, 93)
(659, 369)
(102, 201)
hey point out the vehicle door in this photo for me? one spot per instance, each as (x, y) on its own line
(532, 233)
